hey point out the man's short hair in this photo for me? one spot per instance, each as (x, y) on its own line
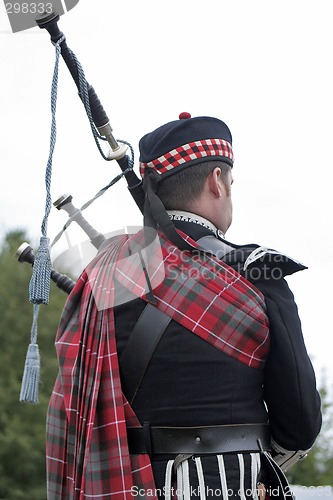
(180, 190)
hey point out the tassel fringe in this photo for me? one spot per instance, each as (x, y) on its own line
(39, 288)
(30, 381)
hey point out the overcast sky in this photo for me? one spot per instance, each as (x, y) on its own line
(263, 67)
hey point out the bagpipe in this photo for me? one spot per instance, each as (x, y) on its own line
(25, 252)
(118, 152)
(98, 114)
(43, 272)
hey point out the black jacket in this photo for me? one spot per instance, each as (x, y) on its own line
(190, 383)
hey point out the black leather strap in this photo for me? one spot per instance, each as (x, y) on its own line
(156, 214)
(139, 349)
(201, 440)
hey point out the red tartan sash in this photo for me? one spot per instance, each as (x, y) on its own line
(198, 291)
(87, 449)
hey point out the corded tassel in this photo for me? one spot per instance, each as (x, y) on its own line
(30, 380)
(39, 288)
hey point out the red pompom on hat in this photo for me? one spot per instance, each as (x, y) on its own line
(184, 115)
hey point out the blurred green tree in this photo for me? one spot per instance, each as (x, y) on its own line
(22, 426)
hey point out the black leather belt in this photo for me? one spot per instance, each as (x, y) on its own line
(199, 440)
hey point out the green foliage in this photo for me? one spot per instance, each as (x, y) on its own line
(22, 426)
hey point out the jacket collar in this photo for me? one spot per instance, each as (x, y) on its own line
(194, 225)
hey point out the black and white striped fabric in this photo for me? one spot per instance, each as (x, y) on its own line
(229, 476)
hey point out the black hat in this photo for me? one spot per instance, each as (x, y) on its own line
(185, 142)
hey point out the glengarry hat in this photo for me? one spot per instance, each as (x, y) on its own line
(185, 142)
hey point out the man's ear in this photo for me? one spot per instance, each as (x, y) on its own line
(214, 182)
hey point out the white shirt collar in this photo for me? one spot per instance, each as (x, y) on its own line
(184, 216)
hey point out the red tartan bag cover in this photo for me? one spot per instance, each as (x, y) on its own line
(87, 449)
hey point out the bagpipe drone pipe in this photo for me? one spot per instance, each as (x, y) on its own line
(25, 252)
(118, 152)
(100, 119)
